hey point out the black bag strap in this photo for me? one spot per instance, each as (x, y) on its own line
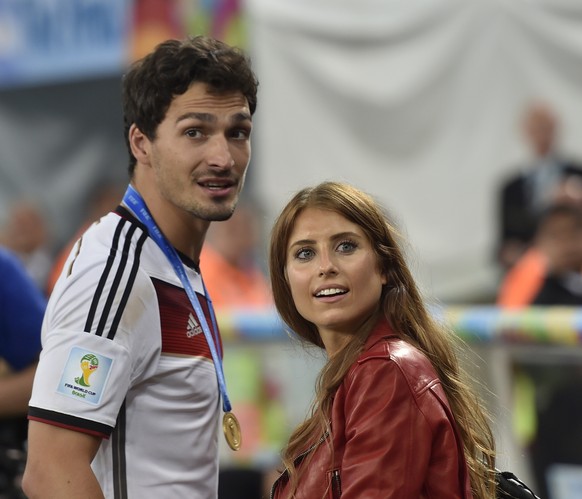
(511, 487)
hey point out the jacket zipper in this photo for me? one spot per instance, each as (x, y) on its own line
(297, 460)
(336, 484)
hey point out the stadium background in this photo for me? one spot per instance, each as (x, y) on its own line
(416, 102)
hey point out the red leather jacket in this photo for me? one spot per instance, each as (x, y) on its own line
(394, 436)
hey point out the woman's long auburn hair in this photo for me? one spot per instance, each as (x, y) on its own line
(402, 305)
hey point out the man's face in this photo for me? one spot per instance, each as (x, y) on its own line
(541, 131)
(201, 152)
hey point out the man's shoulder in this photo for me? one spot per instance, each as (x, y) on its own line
(111, 234)
(111, 248)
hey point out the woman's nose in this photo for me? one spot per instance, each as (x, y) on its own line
(327, 266)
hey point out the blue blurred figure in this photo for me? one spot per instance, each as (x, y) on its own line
(22, 306)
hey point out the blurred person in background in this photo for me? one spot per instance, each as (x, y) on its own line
(557, 386)
(128, 390)
(559, 238)
(22, 306)
(230, 261)
(521, 284)
(27, 234)
(547, 177)
(394, 416)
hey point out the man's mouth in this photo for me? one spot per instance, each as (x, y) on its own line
(217, 185)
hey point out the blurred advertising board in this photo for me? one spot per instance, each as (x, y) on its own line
(49, 41)
(154, 21)
(44, 41)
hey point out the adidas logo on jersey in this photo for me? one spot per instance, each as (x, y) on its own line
(193, 327)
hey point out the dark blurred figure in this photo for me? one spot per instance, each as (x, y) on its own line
(558, 413)
(240, 483)
(559, 238)
(558, 384)
(547, 179)
(550, 262)
(22, 307)
(559, 440)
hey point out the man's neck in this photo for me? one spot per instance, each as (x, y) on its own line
(182, 230)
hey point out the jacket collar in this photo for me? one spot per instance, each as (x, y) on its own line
(381, 330)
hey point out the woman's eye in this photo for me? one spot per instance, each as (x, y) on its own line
(347, 246)
(303, 254)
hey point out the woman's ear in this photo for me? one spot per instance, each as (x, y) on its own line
(139, 144)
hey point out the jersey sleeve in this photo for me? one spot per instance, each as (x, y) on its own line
(100, 334)
(81, 382)
(22, 306)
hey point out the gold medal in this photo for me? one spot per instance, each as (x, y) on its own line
(232, 432)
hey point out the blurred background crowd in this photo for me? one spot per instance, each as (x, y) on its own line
(463, 118)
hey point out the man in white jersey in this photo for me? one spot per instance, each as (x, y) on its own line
(127, 394)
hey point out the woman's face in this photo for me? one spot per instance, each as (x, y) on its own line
(333, 274)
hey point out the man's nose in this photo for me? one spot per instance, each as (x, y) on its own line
(219, 154)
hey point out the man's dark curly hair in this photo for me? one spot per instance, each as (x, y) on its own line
(151, 83)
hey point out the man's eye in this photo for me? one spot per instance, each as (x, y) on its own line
(241, 134)
(194, 133)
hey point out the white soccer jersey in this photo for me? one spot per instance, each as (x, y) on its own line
(124, 358)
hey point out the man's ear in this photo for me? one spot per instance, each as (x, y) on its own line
(140, 144)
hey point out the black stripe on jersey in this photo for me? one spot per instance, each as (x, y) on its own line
(123, 212)
(68, 421)
(122, 254)
(103, 280)
(115, 284)
(128, 287)
(118, 455)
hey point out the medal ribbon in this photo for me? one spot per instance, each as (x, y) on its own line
(133, 199)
